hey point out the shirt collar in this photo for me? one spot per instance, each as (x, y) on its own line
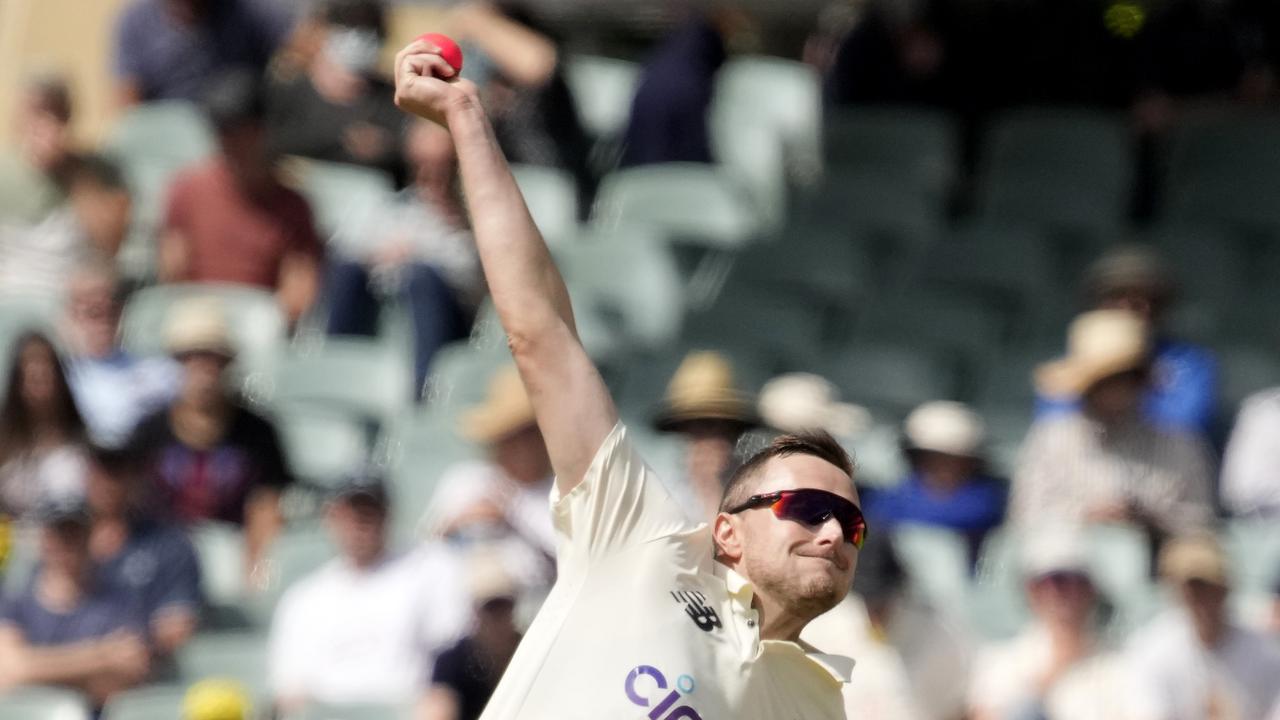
(741, 591)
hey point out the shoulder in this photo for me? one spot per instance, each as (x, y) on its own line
(250, 422)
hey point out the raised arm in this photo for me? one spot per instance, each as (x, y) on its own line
(571, 402)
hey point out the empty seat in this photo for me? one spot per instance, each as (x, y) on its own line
(1009, 268)
(220, 548)
(936, 560)
(855, 200)
(460, 374)
(602, 89)
(173, 133)
(161, 702)
(1253, 546)
(689, 201)
(424, 452)
(43, 703)
(910, 146)
(1244, 371)
(784, 94)
(358, 377)
(959, 330)
(322, 447)
(552, 197)
(253, 315)
(344, 198)
(293, 555)
(888, 377)
(1222, 170)
(1067, 169)
(238, 656)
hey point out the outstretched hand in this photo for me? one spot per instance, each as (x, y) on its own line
(427, 85)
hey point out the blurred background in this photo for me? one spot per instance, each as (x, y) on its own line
(262, 453)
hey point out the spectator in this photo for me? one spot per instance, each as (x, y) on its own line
(519, 70)
(208, 456)
(367, 626)
(1192, 661)
(947, 486)
(503, 500)
(231, 220)
(800, 402)
(1183, 391)
(895, 53)
(41, 431)
(66, 628)
(467, 673)
(1058, 667)
(1106, 462)
(340, 109)
(418, 246)
(35, 260)
(172, 49)
(669, 115)
(150, 560)
(709, 413)
(1251, 466)
(32, 178)
(113, 388)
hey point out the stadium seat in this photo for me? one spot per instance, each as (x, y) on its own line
(220, 548)
(344, 198)
(764, 321)
(552, 197)
(915, 148)
(755, 154)
(691, 202)
(878, 454)
(322, 447)
(602, 89)
(1007, 383)
(642, 381)
(423, 451)
(813, 263)
(1222, 171)
(173, 133)
(1244, 371)
(1254, 548)
(157, 702)
(253, 316)
(358, 377)
(997, 603)
(353, 712)
(783, 95)
(888, 210)
(643, 311)
(937, 562)
(887, 377)
(43, 703)
(23, 556)
(1061, 168)
(460, 373)
(238, 656)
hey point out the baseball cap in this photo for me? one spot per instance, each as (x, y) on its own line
(365, 485)
(1054, 550)
(1198, 557)
(62, 511)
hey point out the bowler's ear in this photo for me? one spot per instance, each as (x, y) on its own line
(727, 537)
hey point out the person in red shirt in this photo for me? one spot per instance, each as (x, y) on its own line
(231, 220)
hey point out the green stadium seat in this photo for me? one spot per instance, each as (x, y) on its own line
(358, 377)
(1060, 168)
(159, 702)
(997, 604)
(353, 712)
(888, 210)
(1245, 370)
(423, 450)
(237, 656)
(220, 547)
(1222, 171)
(915, 148)
(460, 374)
(644, 311)
(258, 328)
(602, 89)
(762, 321)
(293, 555)
(784, 95)
(878, 454)
(937, 562)
(344, 198)
(691, 202)
(889, 378)
(1253, 545)
(322, 447)
(43, 703)
(552, 197)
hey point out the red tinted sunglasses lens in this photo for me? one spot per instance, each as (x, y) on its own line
(814, 507)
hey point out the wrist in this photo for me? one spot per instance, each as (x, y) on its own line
(462, 110)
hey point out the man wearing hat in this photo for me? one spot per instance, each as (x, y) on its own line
(209, 456)
(1058, 666)
(1192, 662)
(707, 410)
(66, 627)
(1107, 462)
(946, 487)
(365, 627)
(652, 614)
(1183, 391)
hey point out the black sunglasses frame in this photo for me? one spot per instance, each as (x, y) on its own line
(770, 499)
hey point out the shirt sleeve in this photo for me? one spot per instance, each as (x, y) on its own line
(126, 61)
(1034, 478)
(178, 583)
(275, 471)
(619, 504)
(1251, 466)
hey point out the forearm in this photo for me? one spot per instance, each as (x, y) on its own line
(522, 55)
(67, 664)
(262, 522)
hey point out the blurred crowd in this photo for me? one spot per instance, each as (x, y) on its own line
(163, 537)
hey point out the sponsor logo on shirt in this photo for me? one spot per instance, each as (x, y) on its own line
(696, 607)
(646, 682)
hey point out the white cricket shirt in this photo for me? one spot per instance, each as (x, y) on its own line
(644, 623)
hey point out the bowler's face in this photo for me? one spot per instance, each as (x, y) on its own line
(810, 566)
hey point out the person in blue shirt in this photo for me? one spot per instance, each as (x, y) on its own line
(947, 486)
(1183, 395)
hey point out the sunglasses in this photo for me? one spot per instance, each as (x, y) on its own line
(812, 507)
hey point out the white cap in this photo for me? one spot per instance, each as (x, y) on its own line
(945, 427)
(1054, 549)
(797, 402)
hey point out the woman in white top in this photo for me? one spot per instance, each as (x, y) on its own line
(41, 431)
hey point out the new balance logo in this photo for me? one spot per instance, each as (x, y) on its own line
(695, 606)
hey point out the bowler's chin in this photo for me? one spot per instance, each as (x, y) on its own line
(819, 592)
